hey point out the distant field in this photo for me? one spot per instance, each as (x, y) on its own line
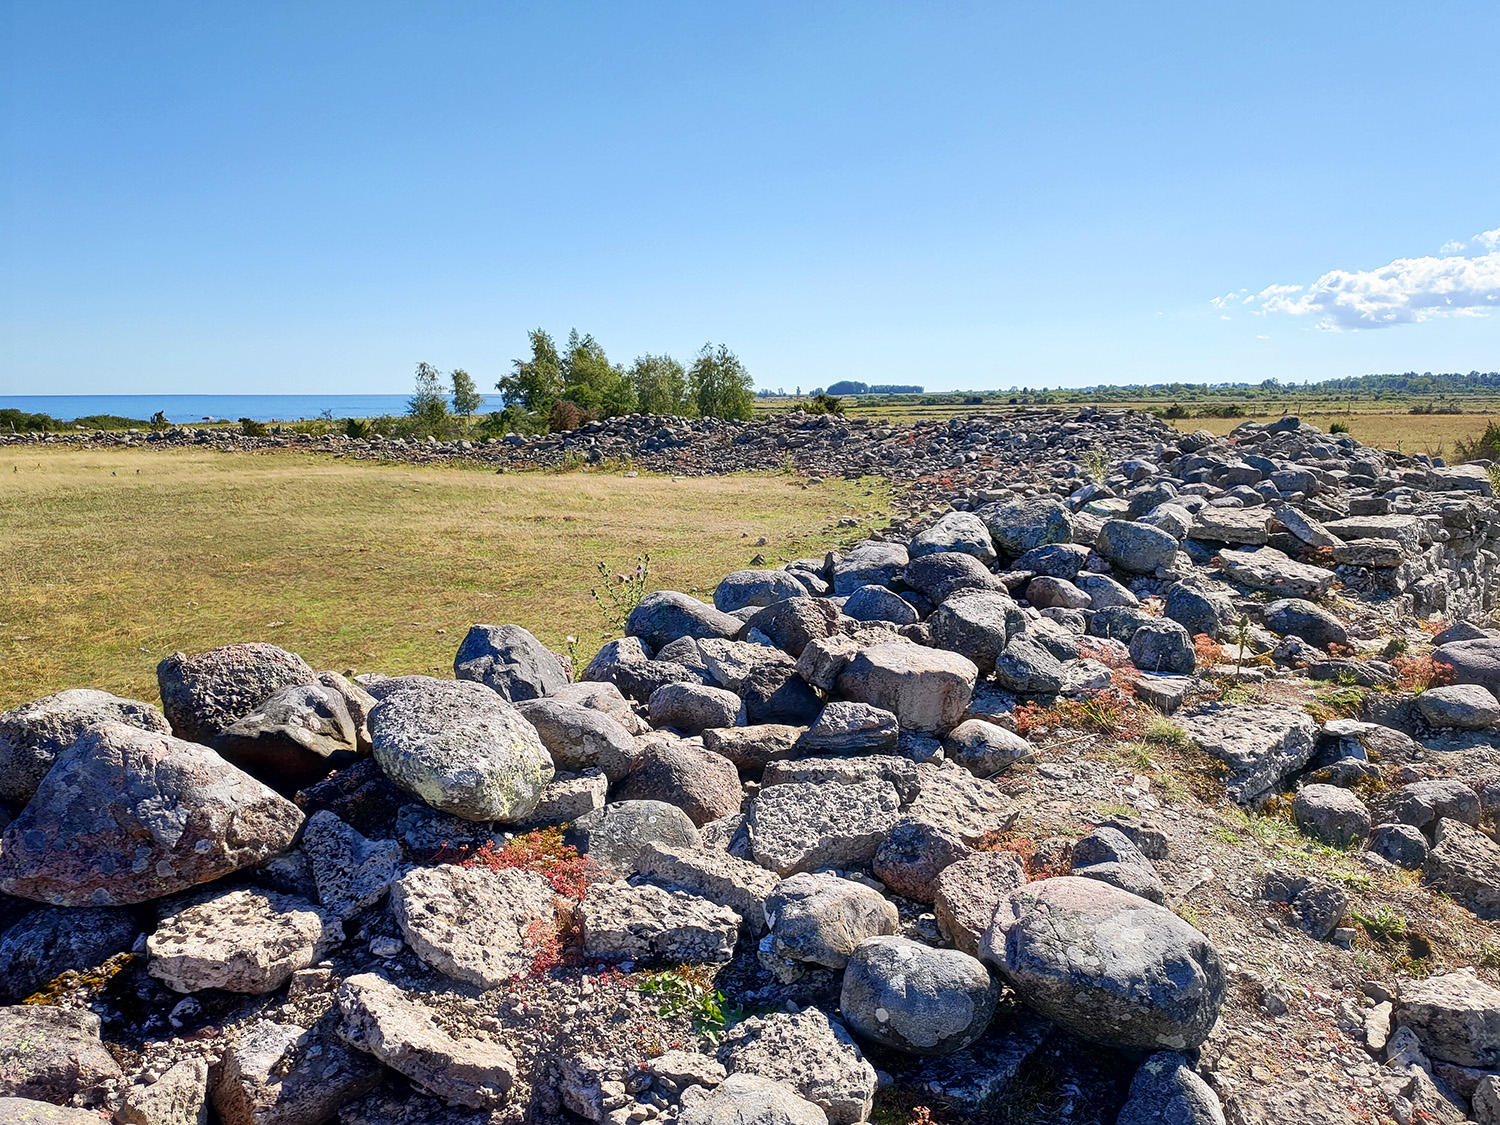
(1433, 434)
(1386, 422)
(113, 559)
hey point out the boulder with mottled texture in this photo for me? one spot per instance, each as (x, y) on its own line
(473, 924)
(241, 941)
(53, 1054)
(1107, 965)
(34, 734)
(913, 998)
(208, 692)
(128, 815)
(462, 749)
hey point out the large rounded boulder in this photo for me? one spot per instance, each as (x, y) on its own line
(955, 531)
(820, 919)
(1021, 525)
(1107, 965)
(977, 626)
(34, 734)
(208, 692)
(914, 998)
(462, 749)
(127, 815)
(1136, 547)
(926, 689)
(701, 783)
(510, 660)
(744, 589)
(663, 616)
(583, 738)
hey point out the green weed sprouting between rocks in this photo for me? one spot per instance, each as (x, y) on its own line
(1381, 922)
(679, 993)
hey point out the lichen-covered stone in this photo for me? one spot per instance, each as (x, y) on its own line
(127, 815)
(462, 749)
(1107, 965)
(34, 734)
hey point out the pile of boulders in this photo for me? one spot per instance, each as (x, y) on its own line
(291, 896)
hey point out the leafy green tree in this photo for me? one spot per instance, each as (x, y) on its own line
(466, 396)
(661, 386)
(720, 384)
(428, 405)
(591, 382)
(537, 382)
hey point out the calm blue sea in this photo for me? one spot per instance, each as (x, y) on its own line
(199, 408)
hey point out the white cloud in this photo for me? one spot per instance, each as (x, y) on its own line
(1408, 291)
(1452, 246)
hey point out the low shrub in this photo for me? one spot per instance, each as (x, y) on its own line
(565, 416)
(1418, 673)
(1486, 447)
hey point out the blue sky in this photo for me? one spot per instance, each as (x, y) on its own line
(285, 197)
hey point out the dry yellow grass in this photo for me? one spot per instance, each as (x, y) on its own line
(1434, 434)
(113, 559)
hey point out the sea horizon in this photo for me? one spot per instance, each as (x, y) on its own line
(182, 409)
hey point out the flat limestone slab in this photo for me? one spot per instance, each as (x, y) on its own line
(1260, 743)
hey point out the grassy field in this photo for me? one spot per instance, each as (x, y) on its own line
(1434, 434)
(113, 559)
(1384, 423)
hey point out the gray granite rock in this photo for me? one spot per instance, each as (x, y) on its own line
(612, 836)
(209, 691)
(1110, 856)
(955, 531)
(926, 689)
(1460, 706)
(916, 999)
(127, 815)
(462, 749)
(1167, 1091)
(53, 1054)
(1456, 1017)
(819, 919)
(665, 615)
(1107, 965)
(34, 734)
(1330, 814)
(293, 739)
(282, 1074)
(582, 738)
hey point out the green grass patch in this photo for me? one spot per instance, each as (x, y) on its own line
(115, 558)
